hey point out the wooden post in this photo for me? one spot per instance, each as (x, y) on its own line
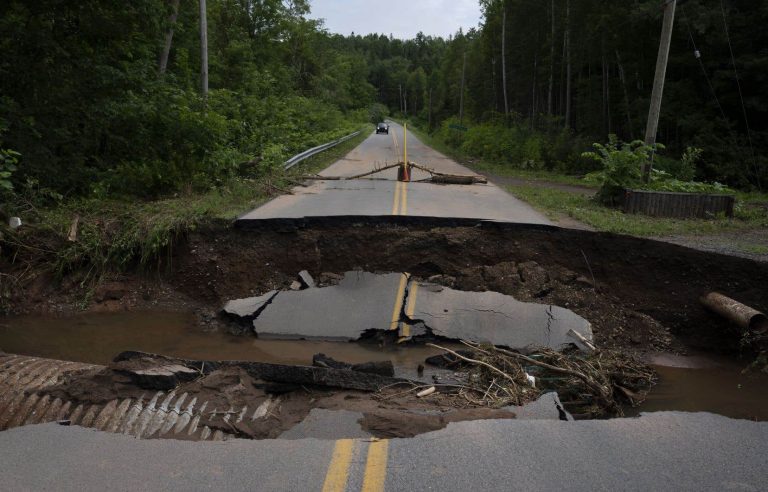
(203, 49)
(658, 82)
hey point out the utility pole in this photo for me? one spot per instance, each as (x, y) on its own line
(203, 49)
(461, 96)
(400, 87)
(658, 82)
(169, 36)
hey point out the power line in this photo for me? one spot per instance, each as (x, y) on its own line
(697, 55)
(741, 96)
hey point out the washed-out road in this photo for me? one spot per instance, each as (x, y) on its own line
(381, 195)
(658, 451)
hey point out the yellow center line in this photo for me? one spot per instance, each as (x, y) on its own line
(398, 302)
(396, 202)
(338, 470)
(404, 199)
(376, 467)
(411, 307)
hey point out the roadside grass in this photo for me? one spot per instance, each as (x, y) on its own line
(116, 234)
(493, 168)
(556, 203)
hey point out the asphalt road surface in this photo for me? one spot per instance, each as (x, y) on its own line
(382, 195)
(662, 451)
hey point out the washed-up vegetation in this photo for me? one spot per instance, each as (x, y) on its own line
(591, 385)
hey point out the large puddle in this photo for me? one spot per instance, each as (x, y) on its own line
(693, 384)
(97, 338)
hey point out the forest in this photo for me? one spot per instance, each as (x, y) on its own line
(103, 98)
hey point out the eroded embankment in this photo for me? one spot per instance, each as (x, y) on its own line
(636, 293)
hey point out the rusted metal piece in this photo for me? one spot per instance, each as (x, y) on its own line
(745, 317)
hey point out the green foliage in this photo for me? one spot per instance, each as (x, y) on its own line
(8, 160)
(663, 181)
(377, 113)
(622, 165)
(85, 105)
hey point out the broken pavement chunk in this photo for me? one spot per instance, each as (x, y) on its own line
(249, 308)
(498, 319)
(360, 302)
(159, 377)
(306, 279)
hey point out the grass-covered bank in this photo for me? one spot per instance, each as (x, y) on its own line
(584, 208)
(113, 235)
(751, 207)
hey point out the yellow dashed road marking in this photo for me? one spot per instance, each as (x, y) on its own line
(376, 467)
(398, 302)
(404, 199)
(400, 202)
(396, 201)
(338, 470)
(411, 308)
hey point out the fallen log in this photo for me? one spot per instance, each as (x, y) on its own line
(382, 368)
(279, 373)
(457, 179)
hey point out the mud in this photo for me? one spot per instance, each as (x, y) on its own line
(638, 294)
(391, 412)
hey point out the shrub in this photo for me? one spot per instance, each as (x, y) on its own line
(621, 166)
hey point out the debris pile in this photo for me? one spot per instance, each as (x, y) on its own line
(591, 385)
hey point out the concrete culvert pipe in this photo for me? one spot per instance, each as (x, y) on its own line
(745, 317)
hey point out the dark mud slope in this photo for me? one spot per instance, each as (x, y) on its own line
(638, 282)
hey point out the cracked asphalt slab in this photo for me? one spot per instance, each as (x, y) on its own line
(657, 451)
(362, 302)
(385, 196)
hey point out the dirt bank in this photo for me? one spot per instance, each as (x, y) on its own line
(638, 294)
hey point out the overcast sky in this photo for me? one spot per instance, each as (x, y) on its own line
(401, 18)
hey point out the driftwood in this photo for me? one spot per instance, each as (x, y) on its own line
(279, 373)
(445, 178)
(436, 177)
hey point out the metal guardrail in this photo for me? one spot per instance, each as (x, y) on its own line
(316, 150)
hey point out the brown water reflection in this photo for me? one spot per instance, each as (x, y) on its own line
(695, 384)
(97, 338)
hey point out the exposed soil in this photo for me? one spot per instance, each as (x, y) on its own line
(391, 412)
(638, 294)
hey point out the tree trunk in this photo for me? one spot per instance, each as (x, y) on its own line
(623, 79)
(429, 126)
(533, 89)
(203, 49)
(461, 96)
(551, 63)
(567, 64)
(169, 37)
(504, 60)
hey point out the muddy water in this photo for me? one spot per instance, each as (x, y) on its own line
(694, 384)
(97, 338)
(707, 384)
